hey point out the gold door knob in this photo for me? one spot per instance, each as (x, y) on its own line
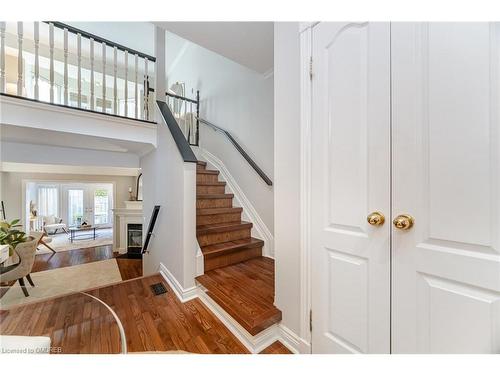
(403, 222)
(375, 218)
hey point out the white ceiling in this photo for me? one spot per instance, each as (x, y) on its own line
(250, 44)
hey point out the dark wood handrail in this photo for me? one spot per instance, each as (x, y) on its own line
(181, 142)
(240, 149)
(85, 34)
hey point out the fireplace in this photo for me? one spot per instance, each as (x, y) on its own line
(134, 238)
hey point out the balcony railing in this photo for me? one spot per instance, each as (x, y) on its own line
(186, 112)
(59, 64)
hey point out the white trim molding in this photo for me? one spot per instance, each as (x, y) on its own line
(183, 294)
(293, 342)
(305, 182)
(241, 199)
(93, 170)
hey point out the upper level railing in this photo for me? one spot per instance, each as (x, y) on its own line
(59, 64)
(186, 111)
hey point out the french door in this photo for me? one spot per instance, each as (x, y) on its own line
(90, 203)
(405, 127)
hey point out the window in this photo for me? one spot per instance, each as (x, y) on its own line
(48, 197)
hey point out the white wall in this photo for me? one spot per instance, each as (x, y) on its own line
(12, 187)
(239, 100)
(287, 171)
(170, 183)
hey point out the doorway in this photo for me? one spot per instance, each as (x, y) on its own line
(88, 202)
(405, 209)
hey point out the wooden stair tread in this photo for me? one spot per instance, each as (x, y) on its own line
(206, 171)
(222, 227)
(214, 183)
(215, 211)
(214, 196)
(245, 291)
(220, 248)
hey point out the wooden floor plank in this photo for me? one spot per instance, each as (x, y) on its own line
(79, 324)
(276, 348)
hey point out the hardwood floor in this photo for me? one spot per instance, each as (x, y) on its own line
(276, 348)
(129, 268)
(79, 324)
(246, 291)
(49, 261)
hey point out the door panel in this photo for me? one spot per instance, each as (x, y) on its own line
(350, 179)
(446, 269)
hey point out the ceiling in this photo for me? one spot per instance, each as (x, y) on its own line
(20, 134)
(250, 44)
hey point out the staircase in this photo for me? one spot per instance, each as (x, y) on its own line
(224, 239)
(237, 277)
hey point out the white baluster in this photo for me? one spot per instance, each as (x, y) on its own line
(36, 33)
(115, 83)
(66, 93)
(79, 57)
(104, 77)
(51, 55)
(136, 87)
(2, 56)
(20, 82)
(126, 83)
(145, 113)
(92, 83)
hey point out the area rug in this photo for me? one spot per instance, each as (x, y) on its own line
(60, 242)
(60, 281)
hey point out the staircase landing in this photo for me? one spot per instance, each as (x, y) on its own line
(245, 291)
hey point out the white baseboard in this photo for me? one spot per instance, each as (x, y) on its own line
(183, 294)
(248, 209)
(293, 342)
(200, 262)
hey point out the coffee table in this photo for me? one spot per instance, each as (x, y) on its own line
(86, 236)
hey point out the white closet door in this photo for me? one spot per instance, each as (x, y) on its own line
(350, 179)
(446, 166)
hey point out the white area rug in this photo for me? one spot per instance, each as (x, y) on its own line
(60, 242)
(59, 281)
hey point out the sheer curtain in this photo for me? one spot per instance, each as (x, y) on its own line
(48, 197)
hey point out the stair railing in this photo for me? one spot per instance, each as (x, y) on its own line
(240, 149)
(186, 112)
(46, 53)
